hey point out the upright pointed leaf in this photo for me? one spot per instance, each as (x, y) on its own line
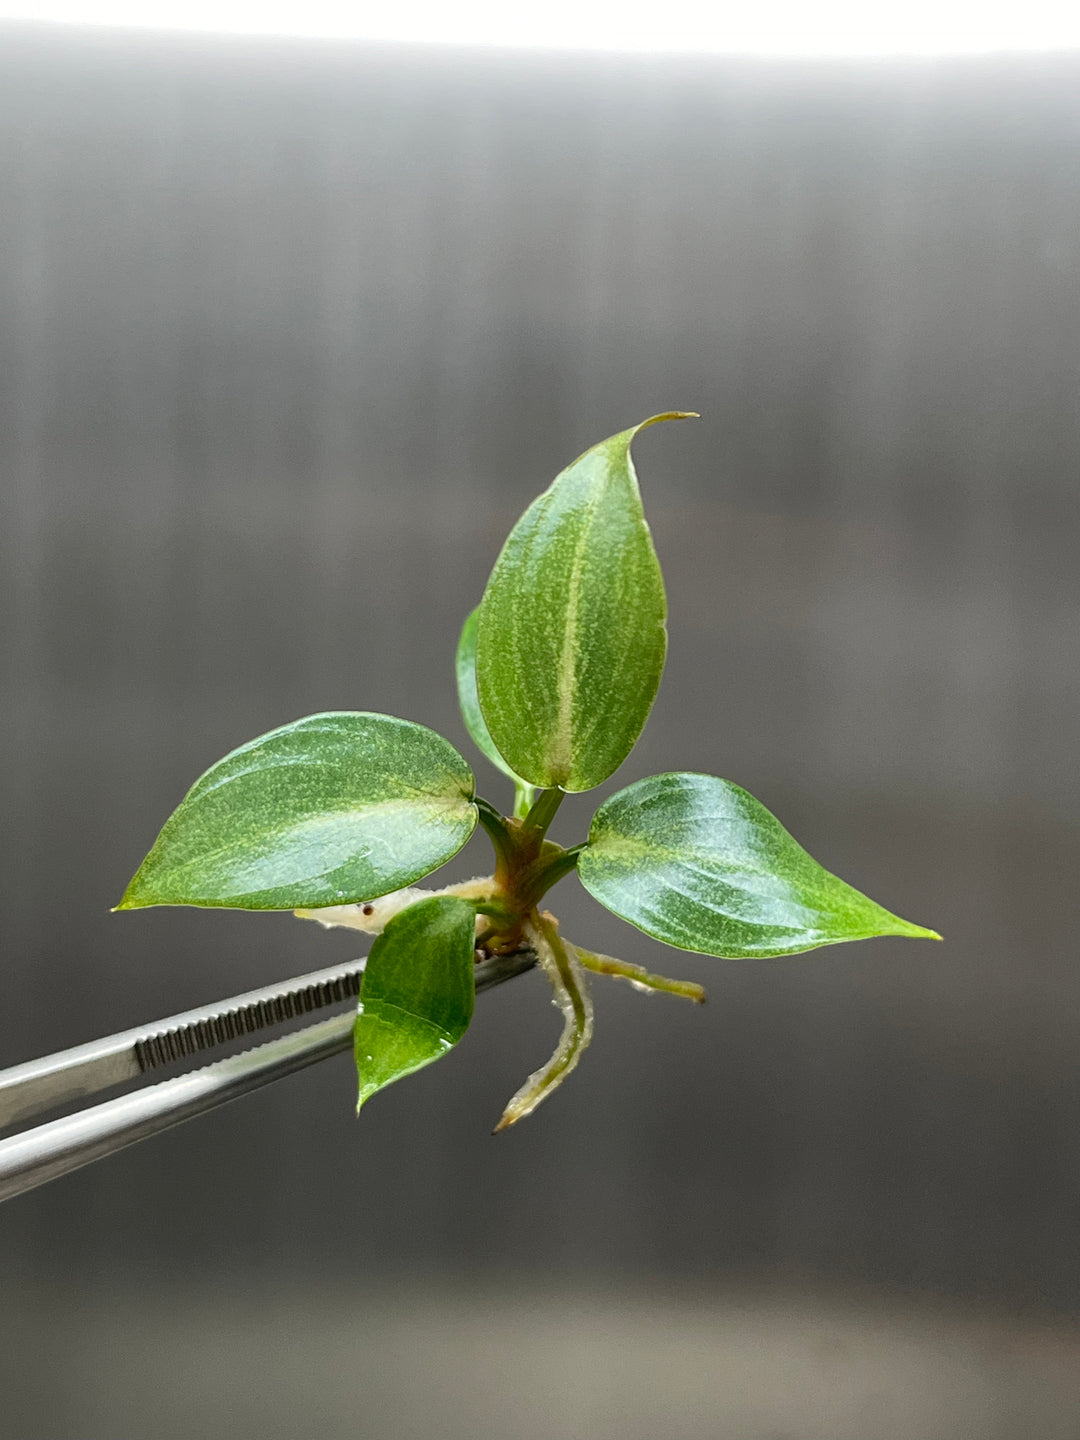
(571, 639)
(698, 863)
(416, 997)
(329, 810)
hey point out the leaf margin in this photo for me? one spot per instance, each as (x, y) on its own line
(399, 934)
(556, 759)
(139, 895)
(636, 914)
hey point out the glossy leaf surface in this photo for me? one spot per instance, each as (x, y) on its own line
(417, 994)
(698, 863)
(329, 810)
(469, 700)
(571, 638)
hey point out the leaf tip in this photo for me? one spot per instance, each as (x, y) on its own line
(910, 931)
(668, 415)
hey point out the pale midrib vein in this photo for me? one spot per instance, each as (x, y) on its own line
(565, 678)
(376, 1002)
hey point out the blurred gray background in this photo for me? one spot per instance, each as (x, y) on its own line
(290, 335)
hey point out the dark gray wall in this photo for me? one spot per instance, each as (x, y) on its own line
(290, 335)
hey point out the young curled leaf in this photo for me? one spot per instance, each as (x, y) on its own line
(469, 701)
(417, 994)
(329, 810)
(698, 863)
(571, 641)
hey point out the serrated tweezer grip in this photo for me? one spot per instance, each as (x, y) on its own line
(39, 1085)
(60, 1146)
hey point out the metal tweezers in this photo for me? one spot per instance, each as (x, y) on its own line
(44, 1153)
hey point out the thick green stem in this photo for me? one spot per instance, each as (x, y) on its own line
(524, 795)
(542, 812)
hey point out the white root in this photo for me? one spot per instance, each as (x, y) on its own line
(560, 964)
(371, 917)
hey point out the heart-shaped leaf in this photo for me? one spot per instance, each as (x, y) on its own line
(571, 640)
(329, 810)
(416, 997)
(698, 863)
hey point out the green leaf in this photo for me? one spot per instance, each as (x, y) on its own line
(465, 668)
(416, 997)
(329, 810)
(571, 638)
(698, 863)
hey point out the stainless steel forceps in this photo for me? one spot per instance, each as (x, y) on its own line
(59, 1146)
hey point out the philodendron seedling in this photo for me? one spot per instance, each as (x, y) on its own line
(338, 815)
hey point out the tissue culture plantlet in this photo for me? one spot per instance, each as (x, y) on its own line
(337, 815)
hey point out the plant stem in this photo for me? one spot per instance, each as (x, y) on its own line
(544, 874)
(497, 829)
(542, 812)
(524, 795)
